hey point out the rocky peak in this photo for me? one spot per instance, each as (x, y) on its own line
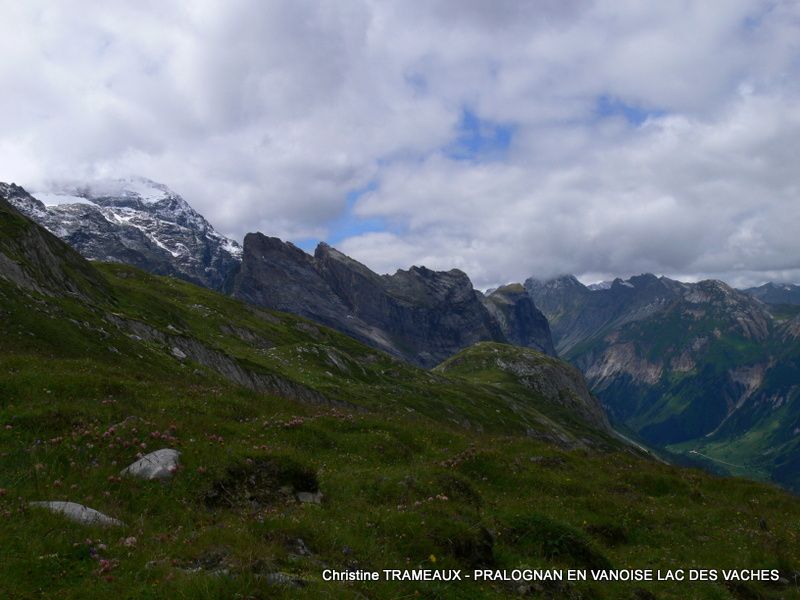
(420, 315)
(330, 259)
(420, 284)
(522, 323)
(135, 221)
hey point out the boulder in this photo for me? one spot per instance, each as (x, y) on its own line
(160, 464)
(78, 513)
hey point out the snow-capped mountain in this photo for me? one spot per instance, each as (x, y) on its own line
(134, 221)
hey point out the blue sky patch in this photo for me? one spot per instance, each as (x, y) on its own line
(609, 106)
(350, 224)
(479, 139)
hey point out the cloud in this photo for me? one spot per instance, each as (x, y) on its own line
(507, 138)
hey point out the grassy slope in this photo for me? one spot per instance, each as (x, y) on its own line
(433, 470)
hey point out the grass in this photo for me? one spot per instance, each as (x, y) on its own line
(417, 469)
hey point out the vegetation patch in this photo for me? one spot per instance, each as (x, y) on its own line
(260, 481)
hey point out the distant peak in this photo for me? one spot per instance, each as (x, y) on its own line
(511, 288)
(555, 283)
(324, 248)
(133, 187)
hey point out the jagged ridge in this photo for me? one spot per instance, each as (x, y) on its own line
(421, 315)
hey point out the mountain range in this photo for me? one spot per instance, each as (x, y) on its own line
(705, 373)
(420, 315)
(298, 448)
(776, 293)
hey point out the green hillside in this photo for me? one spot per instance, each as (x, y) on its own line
(476, 464)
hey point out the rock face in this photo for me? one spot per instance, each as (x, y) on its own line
(134, 221)
(160, 464)
(521, 322)
(78, 513)
(693, 364)
(420, 315)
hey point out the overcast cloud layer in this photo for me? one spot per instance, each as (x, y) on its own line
(504, 138)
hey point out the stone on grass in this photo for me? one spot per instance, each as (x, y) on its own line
(310, 497)
(78, 513)
(160, 464)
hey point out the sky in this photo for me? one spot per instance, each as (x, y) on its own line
(506, 138)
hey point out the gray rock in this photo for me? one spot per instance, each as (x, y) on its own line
(160, 464)
(178, 353)
(310, 497)
(78, 513)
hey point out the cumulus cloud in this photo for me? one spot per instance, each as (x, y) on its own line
(605, 137)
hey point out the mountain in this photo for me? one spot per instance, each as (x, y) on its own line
(300, 448)
(699, 369)
(776, 293)
(133, 221)
(577, 313)
(420, 315)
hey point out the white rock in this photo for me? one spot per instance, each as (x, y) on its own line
(178, 353)
(78, 513)
(160, 464)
